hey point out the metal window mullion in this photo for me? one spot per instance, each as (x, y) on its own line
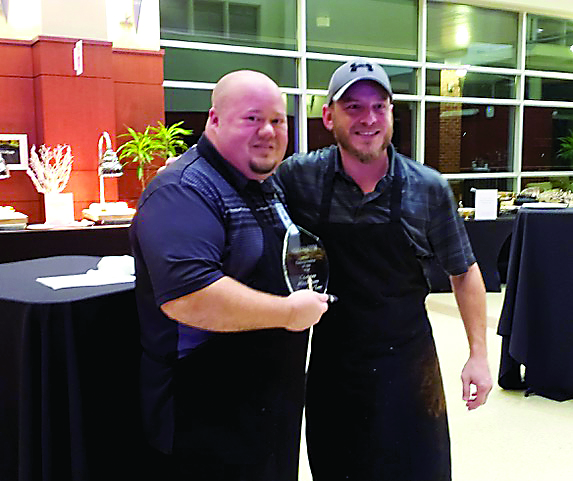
(489, 175)
(226, 20)
(301, 121)
(471, 68)
(519, 113)
(217, 47)
(420, 141)
(471, 100)
(537, 173)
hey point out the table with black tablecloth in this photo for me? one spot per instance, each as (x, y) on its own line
(537, 316)
(97, 240)
(490, 241)
(69, 407)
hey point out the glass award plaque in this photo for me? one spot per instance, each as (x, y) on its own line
(305, 265)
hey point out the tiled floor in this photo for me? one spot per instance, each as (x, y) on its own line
(511, 438)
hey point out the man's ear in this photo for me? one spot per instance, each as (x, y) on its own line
(327, 117)
(213, 119)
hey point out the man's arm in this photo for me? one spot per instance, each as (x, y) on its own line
(227, 305)
(469, 291)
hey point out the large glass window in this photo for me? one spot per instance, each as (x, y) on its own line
(371, 28)
(403, 79)
(537, 88)
(464, 35)
(266, 23)
(549, 44)
(464, 83)
(204, 66)
(468, 138)
(476, 98)
(544, 131)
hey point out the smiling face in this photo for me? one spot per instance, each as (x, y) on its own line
(248, 124)
(361, 121)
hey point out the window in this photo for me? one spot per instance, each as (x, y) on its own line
(464, 35)
(265, 23)
(371, 28)
(549, 44)
(485, 96)
(468, 138)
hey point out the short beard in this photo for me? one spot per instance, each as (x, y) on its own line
(262, 170)
(363, 157)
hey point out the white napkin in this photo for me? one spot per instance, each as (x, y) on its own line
(109, 270)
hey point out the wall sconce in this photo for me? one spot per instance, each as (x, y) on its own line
(131, 15)
(4, 4)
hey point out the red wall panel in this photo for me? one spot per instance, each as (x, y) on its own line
(43, 97)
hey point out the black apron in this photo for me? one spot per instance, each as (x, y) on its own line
(375, 402)
(239, 396)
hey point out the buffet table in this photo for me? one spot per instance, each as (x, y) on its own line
(101, 240)
(69, 407)
(537, 317)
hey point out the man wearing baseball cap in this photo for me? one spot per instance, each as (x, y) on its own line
(375, 402)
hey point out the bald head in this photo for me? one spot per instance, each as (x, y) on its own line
(247, 122)
(237, 83)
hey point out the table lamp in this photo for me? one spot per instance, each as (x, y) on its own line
(109, 166)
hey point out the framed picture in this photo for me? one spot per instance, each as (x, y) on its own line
(14, 151)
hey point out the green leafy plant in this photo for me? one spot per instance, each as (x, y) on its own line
(566, 148)
(155, 142)
(169, 137)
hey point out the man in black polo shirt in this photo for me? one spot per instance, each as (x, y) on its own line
(224, 344)
(375, 403)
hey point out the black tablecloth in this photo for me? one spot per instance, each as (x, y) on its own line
(537, 317)
(490, 241)
(69, 362)
(19, 245)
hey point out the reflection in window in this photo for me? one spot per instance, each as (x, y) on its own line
(404, 126)
(549, 44)
(537, 88)
(468, 138)
(464, 35)
(543, 127)
(206, 66)
(403, 79)
(383, 28)
(463, 83)
(269, 23)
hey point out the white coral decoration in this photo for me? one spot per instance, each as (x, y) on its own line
(50, 171)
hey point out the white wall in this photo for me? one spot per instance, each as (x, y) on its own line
(88, 19)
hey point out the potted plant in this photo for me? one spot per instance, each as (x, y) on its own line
(169, 138)
(566, 148)
(155, 142)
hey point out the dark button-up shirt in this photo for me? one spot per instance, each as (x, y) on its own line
(429, 213)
